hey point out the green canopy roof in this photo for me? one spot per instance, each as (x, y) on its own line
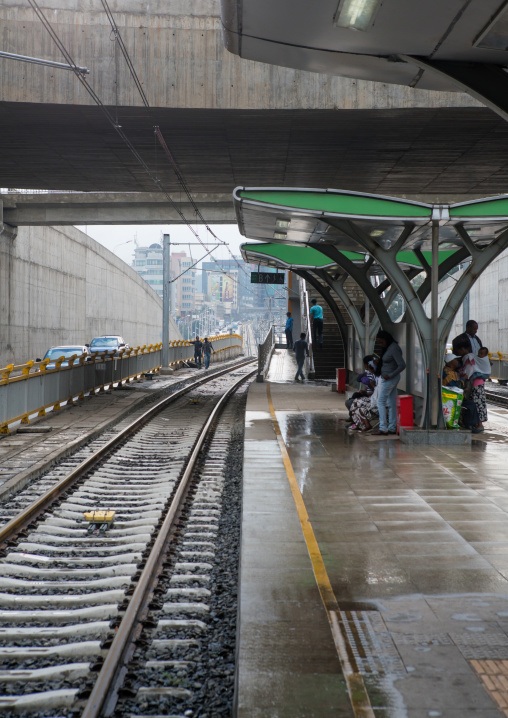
(298, 257)
(315, 216)
(337, 202)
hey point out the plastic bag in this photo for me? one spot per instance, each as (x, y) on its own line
(452, 401)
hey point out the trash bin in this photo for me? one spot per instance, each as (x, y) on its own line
(341, 381)
(404, 409)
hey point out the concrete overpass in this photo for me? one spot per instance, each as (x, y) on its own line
(227, 120)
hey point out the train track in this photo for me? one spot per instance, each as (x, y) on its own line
(496, 394)
(92, 613)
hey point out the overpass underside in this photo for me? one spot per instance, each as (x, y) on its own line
(227, 121)
(406, 151)
(428, 154)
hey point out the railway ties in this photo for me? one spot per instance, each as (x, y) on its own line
(65, 590)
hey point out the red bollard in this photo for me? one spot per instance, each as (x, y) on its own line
(404, 409)
(341, 381)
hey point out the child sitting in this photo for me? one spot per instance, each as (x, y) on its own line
(450, 376)
(367, 382)
(482, 365)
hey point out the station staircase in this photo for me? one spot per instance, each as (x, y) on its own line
(332, 355)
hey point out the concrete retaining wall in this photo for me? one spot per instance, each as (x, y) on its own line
(59, 286)
(177, 49)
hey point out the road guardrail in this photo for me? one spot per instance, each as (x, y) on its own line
(28, 390)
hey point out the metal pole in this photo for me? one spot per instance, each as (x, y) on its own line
(165, 299)
(465, 310)
(367, 324)
(435, 359)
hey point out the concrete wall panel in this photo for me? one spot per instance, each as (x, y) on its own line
(177, 49)
(59, 286)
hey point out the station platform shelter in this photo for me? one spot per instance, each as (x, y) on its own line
(374, 574)
(363, 252)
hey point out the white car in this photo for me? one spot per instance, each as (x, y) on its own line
(107, 344)
(65, 351)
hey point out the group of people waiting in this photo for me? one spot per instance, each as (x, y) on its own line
(202, 349)
(468, 367)
(376, 399)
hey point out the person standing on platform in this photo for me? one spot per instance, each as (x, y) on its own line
(389, 369)
(207, 351)
(289, 331)
(301, 351)
(469, 335)
(474, 387)
(198, 348)
(316, 312)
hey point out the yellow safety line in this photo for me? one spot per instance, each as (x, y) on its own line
(357, 691)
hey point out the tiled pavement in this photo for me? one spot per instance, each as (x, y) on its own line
(415, 543)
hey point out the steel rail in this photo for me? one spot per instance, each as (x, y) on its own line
(27, 515)
(105, 686)
(497, 399)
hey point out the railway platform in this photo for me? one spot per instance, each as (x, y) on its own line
(368, 567)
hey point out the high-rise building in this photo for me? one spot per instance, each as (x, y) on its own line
(184, 283)
(148, 264)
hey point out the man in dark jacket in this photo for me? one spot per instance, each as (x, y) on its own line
(301, 351)
(470, 336)
(198, 348)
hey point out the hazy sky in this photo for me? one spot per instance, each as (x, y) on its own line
(120, 238)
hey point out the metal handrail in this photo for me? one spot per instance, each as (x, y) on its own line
(265, 351)
(304, 301)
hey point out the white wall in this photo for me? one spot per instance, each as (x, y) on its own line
(59, 286)
(488, 305)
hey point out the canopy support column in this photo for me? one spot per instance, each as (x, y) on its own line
(363, 282)
(437, 352)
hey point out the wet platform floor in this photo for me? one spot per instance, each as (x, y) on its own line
(415, 544)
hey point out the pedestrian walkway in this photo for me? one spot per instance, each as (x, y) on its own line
(414, 543)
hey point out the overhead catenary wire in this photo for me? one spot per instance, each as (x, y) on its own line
(160, 136)
(119, 130)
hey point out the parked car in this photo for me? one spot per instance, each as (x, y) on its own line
(66, 351)
(109, 343)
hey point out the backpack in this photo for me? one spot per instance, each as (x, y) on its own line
(469, 414)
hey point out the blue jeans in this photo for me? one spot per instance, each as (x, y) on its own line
(207, 360)
(300, 363)
(386, 400)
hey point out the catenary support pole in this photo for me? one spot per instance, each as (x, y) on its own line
(165, 299)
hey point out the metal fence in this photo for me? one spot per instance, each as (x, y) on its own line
(30, 389)
(265, 351)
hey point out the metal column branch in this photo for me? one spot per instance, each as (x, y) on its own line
(352, 310)
(387, 259)
(358, 274)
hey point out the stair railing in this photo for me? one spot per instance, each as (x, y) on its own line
(306, 324)
(265, 351)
